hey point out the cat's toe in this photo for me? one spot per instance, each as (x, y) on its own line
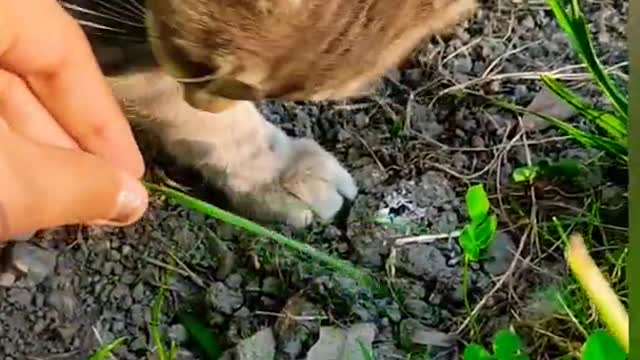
(317, 179)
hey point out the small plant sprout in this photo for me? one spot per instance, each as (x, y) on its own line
(563, 169)
(477, 235)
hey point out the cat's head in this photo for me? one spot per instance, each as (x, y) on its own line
(288, 49)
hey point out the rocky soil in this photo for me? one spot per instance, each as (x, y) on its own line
(414, 146)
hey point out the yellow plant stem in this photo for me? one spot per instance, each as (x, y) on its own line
(598, 290)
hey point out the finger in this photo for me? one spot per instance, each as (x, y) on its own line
(43, 186)
(26, 115)
(59, 67)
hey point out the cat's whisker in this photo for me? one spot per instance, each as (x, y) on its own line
(141, 8)
(135, 16)
(95, 13)
(131, 5)
(93, 25)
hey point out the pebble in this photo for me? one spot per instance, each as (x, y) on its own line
(7, 279)
(361, 120)
(477, 142)
(271, 285)
(414, 332)
(501, 253)
(234, 281)
(422, 260)
(421, 310)
(138, 292)
(224, 299)
(20, 297)
(462, 64)
(136, 313)
(36, 262)
(178, 333)
(139, 343)
(64, 302)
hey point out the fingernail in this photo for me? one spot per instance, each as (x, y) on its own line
(132, 202)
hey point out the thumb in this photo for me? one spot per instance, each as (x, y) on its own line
(44, 186)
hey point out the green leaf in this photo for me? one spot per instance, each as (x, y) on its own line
(485, 232)
(507, 345)
(594, 141)
(614, 148)
(602, 346)
(203, 336)
(468, 243)
(477, 203)
(475, 351)
(105, 351)
(607, 121)
(525, 174)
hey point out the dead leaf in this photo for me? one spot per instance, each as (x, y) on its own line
(546, 103)
(338, 344)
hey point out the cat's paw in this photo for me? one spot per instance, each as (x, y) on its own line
(311, 185)
(317, 180)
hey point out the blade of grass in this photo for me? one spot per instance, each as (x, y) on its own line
(598, 289)
(366, 353)
(156, 313)
(202, 207)
(575, 26)
(607, 121)
(202, 335)
(106, 350)
(595, 141)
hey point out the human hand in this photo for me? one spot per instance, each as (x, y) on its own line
(67, 154)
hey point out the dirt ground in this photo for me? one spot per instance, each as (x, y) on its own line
(414, 147)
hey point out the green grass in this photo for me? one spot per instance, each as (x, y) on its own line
(611, 124)
(297, 247)
(106, 351)
(156, 315)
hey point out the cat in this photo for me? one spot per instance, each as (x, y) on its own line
(190, 72)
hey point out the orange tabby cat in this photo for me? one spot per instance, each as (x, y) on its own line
(189, 71)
